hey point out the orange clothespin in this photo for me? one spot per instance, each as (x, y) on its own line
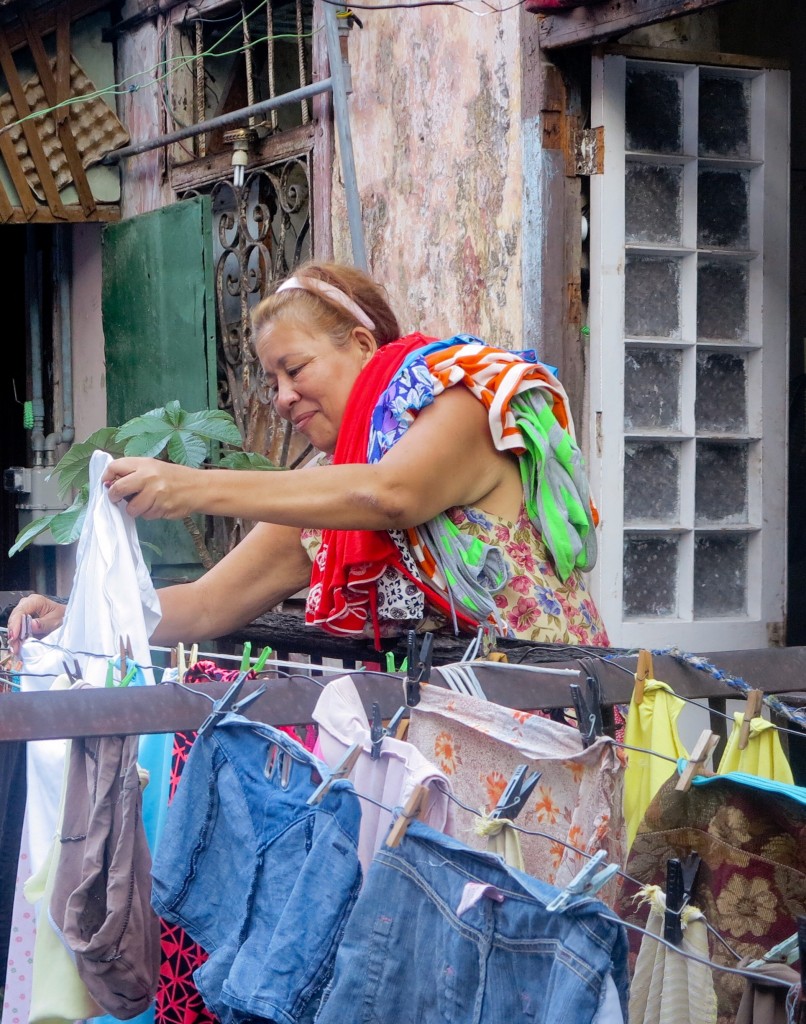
(643, 672)
(415, 807)
(752, 710)
(696, 762)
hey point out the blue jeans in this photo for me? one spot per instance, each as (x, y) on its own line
(263, 882)
(442, 933)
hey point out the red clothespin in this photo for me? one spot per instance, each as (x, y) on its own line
(415, 808)
(696, 763)
(752, 710)
(643, 672)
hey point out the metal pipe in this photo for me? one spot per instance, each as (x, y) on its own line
(342, 118)
(64, 268)
(35, 330)
(231, 117)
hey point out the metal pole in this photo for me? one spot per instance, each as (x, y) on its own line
(231, 117)
(342, 118)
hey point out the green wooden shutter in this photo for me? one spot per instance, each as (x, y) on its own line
(160, 334)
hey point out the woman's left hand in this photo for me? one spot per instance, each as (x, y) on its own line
(152, 488)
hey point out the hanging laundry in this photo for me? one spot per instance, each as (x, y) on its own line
(12, 812)
(751, 882)
(652, 724)
(263, 881)
(478, 745)
(443, 932)
(502, 839)
(667, 988)
(766, 1004)
(390, 779)
(763, 756)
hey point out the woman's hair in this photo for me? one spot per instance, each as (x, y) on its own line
(316, 310)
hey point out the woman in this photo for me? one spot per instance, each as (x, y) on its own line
(448, 490)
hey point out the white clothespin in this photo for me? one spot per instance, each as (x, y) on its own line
(587, 883)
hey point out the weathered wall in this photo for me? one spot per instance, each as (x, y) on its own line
(435, 117)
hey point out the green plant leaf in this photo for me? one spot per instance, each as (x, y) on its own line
(187, 449)
(214, 424)
(73, 469)
(66, 526)
(148, 445)
(27, 534)
(246, 460)
(174, 414)
(148, 424)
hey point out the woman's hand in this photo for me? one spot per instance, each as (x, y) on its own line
(46, 616)
(153, 489)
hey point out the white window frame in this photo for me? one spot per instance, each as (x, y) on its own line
(768, 348)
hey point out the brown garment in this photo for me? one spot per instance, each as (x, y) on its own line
(101, 897)
(752, 881)
(766, 1004)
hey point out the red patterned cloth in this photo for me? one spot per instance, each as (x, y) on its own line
(752, 880)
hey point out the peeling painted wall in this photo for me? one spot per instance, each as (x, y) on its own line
(435, 117)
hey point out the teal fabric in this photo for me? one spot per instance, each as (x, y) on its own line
(796, 793)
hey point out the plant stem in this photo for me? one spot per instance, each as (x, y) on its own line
(198, 542)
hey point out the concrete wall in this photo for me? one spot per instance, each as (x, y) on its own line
(436, 125)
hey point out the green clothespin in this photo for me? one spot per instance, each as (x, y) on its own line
(129, 675)
(247, 656)
(260, 664)
(390, 663)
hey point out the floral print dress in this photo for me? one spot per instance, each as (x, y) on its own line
(535, 604)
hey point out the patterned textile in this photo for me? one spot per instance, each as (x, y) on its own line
(479, 744)
(752, 880)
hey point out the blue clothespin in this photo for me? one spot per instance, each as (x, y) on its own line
(517, 792)
(341, 771)
(229, 703)
(377, 731)
(785, 952)
(586, 884)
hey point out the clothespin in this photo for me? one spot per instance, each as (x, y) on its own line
(415, 808)
(229, 703)
(174, 657)
(419, 667)
(643, 672)
(260, 664)
(517, 792)
(193, 657)
(586, 883)
(377, 731)
(390, 663)
(247, 656)
(589, 715)
(341, 771)
(181, 665)
(74, 673)
(680, 877)
(123, 666)
(786, 952)
(696, 763)
(752, 710)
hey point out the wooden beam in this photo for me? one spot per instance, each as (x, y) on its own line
(30, 131)
(48, 20)
(62, 62)
(106, 213)
(28, 203)
(52, 88)
(675, 55)
(613, 18)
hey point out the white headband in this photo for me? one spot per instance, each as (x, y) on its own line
(329, 291)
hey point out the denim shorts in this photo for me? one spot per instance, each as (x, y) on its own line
(443, 933)
(263, 882)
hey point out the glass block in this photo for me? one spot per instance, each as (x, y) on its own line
(720, 576)
(652, 297)
(722, 300)
(650, 576)
(651, 483)
(653, 204)
(721, 402)
(724, 116)
(654, 111)
(652, 389)
(720, 487)
(722, 209)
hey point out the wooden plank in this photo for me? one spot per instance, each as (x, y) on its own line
(613, 18)
(62, 62)
(6, 209)
(48, 19)
(29, 129)
(28, 203)
(706, 57)
(54, 91)
(106, 213)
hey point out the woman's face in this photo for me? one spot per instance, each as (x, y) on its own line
(311, 377)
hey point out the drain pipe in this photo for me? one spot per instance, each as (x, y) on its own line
(64, 266)
(32, 277)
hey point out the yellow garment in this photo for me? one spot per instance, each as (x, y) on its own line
(763, 756)
(652, 724)
(501, 839)
(667, 988)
